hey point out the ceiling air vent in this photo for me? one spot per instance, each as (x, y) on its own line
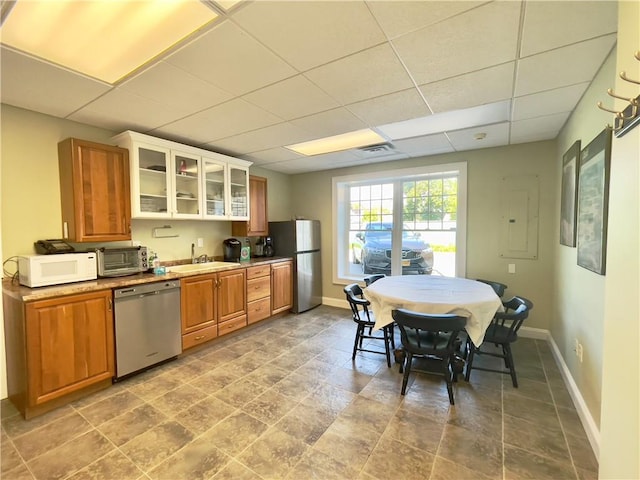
(379, 149)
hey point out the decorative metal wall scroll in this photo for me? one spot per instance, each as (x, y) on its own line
(628, 118)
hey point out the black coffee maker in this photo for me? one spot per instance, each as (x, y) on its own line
(231, 248)
(268, 250)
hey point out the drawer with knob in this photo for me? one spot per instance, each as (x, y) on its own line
(199, 336)
(258, 288)
(258, 310)
(232, 325)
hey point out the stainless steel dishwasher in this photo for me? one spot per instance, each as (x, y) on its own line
(147, 325)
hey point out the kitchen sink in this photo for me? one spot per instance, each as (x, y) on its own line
(199, 267)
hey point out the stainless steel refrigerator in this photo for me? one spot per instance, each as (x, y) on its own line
(300, 239)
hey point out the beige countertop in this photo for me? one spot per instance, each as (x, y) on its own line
(27, 294)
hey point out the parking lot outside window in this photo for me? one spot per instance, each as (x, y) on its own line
(402, 222)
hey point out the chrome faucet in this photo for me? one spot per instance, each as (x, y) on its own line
(202, 258)
(193, 253)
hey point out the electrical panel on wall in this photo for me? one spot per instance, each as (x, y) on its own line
(519, 217)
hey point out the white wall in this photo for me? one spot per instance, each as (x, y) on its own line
(620, 419)
(579, 293)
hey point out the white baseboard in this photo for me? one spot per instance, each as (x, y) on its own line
(590, 427)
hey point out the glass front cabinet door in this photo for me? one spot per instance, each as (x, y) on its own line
(239, 192)
(215, 188)
(150, 165)
(187, 191)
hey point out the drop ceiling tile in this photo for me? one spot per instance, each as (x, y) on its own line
(549, 25)
(434, 53)
(399, 17)
(564, 66)
(496, 135)
(445, 121)
(539, 128)
(123, 110)
(263, 139)
(307, 34)
(42, 87)
(180, 90)
(314, 163)
(331, 122)
(363, 75)
(476, 88)
(425, 145)
(271, 155)
(290, 168)
(544, 103)
(277, 98)
(390, 108)
(221, 121)
(231, 59)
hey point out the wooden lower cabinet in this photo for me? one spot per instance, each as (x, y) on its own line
(212, 305)
(281, 286)
(58, 348)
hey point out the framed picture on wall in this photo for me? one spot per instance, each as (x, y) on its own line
(593, 203)
(569, 200)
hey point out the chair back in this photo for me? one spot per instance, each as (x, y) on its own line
(498, 287)
(427, 334)
(373, 278)
(505, 325)
(359, 305)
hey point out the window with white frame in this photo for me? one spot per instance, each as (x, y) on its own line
(401, 222)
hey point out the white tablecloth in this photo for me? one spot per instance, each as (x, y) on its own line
(434, 294)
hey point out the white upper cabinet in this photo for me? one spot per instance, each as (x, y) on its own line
(173, 180)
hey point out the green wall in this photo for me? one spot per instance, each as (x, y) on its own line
(312, 197)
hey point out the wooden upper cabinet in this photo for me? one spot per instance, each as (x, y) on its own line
(94, 189)
(258, 224)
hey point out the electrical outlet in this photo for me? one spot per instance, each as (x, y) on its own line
(200, 242)
(511, 268)
(580, 351)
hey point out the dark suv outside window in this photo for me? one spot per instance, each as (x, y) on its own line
(373, 249)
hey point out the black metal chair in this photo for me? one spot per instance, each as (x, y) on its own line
(363, 317)
(373, 278)
(498, 287)
(502, 332)
(432, 337)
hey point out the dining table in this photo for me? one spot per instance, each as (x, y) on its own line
(433, 294)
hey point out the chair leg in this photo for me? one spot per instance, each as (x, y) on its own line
(448, 377)
(467, 372)
(392, 332)
(506, 348)
(407, 371)
(355, 343)
(385, 333)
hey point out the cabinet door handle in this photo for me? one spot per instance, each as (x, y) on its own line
(200, 337)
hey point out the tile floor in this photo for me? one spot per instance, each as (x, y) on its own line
(283, 400)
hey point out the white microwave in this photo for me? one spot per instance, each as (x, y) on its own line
(42, 270)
